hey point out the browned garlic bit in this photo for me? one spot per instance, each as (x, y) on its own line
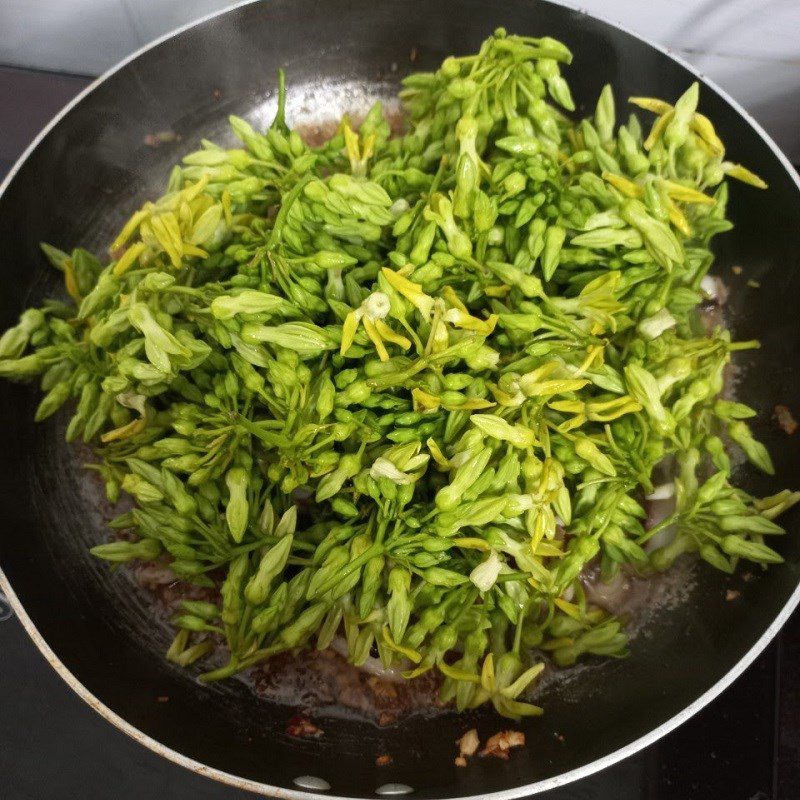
(468, 745)
(783, 416)
(499, 744)
(302, 727)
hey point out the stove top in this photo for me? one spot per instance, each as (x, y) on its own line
(743, 746)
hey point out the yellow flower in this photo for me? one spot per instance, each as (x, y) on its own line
(594, 355)
(371, 314)
(467, 322)
(127, 259)
(449, 294)
(459, 316)
(168, 226)
(507, 399)
(125, 431)
(358, 154)
(622, 184)
(439, 337)
(424, 401)
(686, 194)
(436, 452)
(136, 402)
(700, 123)
(410, 290)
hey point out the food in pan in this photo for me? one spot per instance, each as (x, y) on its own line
(417, 394)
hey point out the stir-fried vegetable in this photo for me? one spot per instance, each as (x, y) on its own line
(408, 388)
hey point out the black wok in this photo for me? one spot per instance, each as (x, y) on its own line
(92, 166)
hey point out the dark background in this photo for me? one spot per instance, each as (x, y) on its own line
(743, 746)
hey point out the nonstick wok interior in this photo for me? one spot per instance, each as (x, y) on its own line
(93, 168)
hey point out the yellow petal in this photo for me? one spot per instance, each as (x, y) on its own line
(678, 219)
(200, 205)
(438, 340)
(184, 215)
(605, 412)
(410, 290)
(227, 210)
(411, 655)
(190, 192)
(129, 229)
(369, 327)
(596, 407)
(598, 328)
(658, 129)
(410, 674)
(497, 291)
(167, 233)
(348, 332)
(548, 550)
(567, 406)
(125, 431)
(651, 104)
(423, 400)
(624, 185)
(491, 322)
(505, 399)
(351, 145)
(702, 126)
(572, 424)
(465, 321)
(436, 452)
(555, 387)
(387, 333)
(471, 404)
(452, 298)
(128, 258)
(367, 147)
(70, 281)
(194, 250)
(542, 372)
(487, 673)
(570, 609)
(685, 194)
(743, 174)
(594, 355)
(472, 543)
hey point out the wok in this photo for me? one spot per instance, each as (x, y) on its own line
(92, 167)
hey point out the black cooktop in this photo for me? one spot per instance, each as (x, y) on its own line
(743, 746)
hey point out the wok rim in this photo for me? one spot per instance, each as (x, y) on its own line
(293, 794)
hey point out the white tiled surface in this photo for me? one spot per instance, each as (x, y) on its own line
(750, 47)
(81, 36)
(767, 29)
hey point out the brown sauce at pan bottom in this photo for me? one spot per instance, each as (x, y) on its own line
(323, 682)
